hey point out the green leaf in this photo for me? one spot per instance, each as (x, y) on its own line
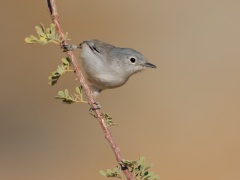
(50, 78)
(154, 177)
(117, 169)
(148, 167)
(66, 93)
(103, 173)
(139, 168)
(40, 31)
(42, 27)
(151, 173)
(78, 90)
(142, 160)
(53, 78)
(145, 174)
(28, 40)
(65, 61)
(43, 40)
(61, 94)
(33, 37)
(109, 172)
(52, 27)
(60, 70)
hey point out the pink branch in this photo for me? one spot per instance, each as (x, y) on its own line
(53, 11)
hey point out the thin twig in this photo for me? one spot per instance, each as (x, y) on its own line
(54, 15)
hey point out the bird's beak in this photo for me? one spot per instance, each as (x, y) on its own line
(149, 65)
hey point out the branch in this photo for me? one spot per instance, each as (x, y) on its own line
(54, 15)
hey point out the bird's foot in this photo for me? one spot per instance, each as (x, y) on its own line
(69, 47)
(98, 106)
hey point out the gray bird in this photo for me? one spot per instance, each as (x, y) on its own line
(108, 66)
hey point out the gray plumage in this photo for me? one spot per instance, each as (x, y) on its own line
(107, 66)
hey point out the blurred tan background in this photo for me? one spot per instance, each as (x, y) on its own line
(184, 116)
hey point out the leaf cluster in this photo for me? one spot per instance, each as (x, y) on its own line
(138, 168)
(61, 69)
(69, 99)
(116, 172)
(108, 120)
(45, 35)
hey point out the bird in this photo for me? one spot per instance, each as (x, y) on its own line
(107, 66)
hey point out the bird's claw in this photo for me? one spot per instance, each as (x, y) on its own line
(98, 106)
(69, 47)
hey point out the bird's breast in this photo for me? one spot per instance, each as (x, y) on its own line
(106, 80)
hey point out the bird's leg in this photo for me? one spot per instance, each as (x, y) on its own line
(93, 109)
(69, 47)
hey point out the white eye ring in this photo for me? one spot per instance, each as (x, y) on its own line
(133, 60)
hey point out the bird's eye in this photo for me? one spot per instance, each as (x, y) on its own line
(133, 60)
